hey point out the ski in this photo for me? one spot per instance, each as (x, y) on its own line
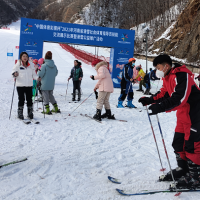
(90, 117)
(146, 192)
(14, 162)
(26, 121)
(73, 101)
(34, 121)
(114, 180)
(139, 109)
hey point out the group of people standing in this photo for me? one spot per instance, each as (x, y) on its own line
(178, 93)
(24, 73)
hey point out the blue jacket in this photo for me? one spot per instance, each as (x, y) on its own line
(48, 73)
(152, 75)
(127, 73)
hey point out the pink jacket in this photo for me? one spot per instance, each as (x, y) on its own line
(105, 82)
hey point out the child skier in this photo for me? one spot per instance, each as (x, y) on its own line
(179, 92)
(105, 86)
(126, 84)
(76, 75)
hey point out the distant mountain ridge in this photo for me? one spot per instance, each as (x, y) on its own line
(12, 10)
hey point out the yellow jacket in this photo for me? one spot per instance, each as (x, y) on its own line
(141, 74)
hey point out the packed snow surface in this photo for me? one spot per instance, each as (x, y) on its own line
(70, 157)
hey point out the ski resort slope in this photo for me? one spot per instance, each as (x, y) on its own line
(70, 157)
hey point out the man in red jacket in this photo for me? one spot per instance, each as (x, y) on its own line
(179, 93)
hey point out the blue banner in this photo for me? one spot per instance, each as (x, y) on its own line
(34, 32)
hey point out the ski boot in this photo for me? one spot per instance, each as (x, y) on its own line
(73, 96)
(79, 96)
(191, 180)
(180, 171)
(97, 116)
(55, 109)
(20, 112)
(30, 112)
(147, 92)
(130, 105)
(108, 114)
(177, 173)
(120, 104)
(48, 112)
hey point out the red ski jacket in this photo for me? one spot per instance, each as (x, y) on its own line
(180, 92)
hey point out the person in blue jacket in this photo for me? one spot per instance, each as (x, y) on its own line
(150, 76)
(126, 84)
(47, 75)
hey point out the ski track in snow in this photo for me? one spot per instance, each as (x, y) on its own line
(71, 158)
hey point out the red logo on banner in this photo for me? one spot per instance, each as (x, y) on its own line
(17, 47)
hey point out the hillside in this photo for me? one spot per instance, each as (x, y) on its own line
(12, 10)
(183, 41)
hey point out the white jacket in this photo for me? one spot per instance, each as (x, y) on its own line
(26, 74)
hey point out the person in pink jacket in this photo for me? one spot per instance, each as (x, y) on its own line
(105, 87)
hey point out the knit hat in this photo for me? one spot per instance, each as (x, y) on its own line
(48, 55)
(96, 61)
(41, 61)
(35, 61)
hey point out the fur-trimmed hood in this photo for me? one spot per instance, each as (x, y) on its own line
(101, 64)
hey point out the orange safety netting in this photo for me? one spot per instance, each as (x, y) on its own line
(84, 56)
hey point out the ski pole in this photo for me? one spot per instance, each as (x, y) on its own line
(167, 155)
(12, 97)
(80, 104)
(163, 169)
(43, 106)
(66, 90)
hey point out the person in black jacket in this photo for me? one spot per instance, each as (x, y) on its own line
(76, 75)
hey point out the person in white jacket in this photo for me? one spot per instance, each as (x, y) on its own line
(24, 73)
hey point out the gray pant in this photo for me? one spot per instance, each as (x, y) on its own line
(47, 96)
(103, 99)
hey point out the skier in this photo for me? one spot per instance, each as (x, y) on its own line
(105, 86)
(24, 72)
(179, 92)
(126, 84)
(76, 75)
(141, 74)
(47, 75)
(150, 76)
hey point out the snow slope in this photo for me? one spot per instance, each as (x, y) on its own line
(71, 158)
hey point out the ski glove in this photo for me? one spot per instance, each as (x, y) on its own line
(92, 77)
(156, 108)
(146, 100)
(96, 94)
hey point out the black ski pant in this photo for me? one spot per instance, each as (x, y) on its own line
(76, 86)
(24, 92)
